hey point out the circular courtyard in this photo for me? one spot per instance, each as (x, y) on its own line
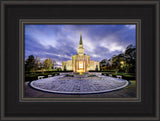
(79, 85)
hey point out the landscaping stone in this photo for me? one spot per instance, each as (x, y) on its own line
(77, 85)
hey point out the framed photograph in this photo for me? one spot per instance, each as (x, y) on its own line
(83, 77)
(80, 60)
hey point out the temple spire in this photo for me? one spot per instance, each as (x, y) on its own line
(80, 42)
(80, 48)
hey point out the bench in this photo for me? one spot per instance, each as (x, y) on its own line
(110, 75)
(40, 77)
(49, 75)
(119, 76)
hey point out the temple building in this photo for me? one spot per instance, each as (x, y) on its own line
(80, 62)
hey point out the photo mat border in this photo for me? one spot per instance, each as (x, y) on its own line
(23, 22)
(156, 3)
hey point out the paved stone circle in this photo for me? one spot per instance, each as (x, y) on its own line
(72, 85)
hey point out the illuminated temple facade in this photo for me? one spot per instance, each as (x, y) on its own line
(80, 62)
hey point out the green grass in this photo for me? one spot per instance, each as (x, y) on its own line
(132, 84)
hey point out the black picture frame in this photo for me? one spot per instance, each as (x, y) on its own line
(13, 109)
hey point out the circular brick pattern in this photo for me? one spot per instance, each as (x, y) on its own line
(73, 85)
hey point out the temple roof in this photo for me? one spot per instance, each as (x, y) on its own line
(80, 42)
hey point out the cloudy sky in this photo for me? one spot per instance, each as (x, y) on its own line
(60, 42)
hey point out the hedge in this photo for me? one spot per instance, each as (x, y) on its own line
(130, 76)
(34, 76)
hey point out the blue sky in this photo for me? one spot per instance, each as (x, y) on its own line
(60, 42)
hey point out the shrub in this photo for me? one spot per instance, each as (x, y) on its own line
(68, 75)
(92, 75)
(31, 77)
(126, 76)
(34, 76)
(76, 73)
(129, 77)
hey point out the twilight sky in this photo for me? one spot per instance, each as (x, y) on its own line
(60, 42)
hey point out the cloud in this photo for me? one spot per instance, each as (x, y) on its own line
(131, 26)
(60, 42)
(112, 43)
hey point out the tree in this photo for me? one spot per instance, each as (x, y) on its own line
(116, 62)
(65, 69)
(48, 64)
(37, 63)
(105, 64)
(96, 69)
(59, 69)
(124, 62)
(54, 64)
(130, 55)
(30, 64)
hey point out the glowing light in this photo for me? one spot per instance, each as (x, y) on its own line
(80, 71)
(80, 64)
(122, 62)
